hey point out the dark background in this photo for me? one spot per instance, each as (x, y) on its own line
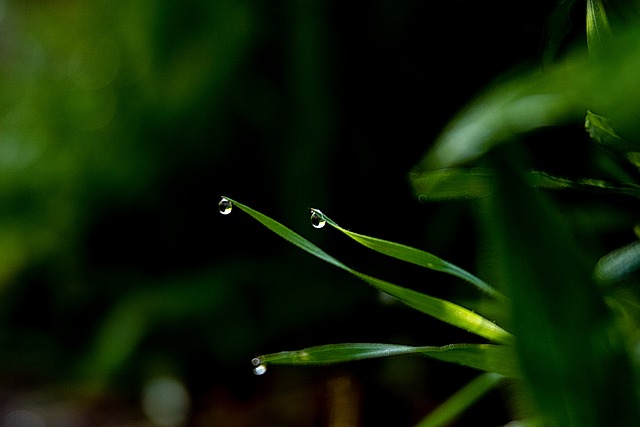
(122, 124)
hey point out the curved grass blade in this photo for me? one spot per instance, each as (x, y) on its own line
(414, 256)
(461, 400)
(485, 357)
(443, 310)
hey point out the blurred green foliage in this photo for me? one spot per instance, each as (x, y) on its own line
(122, 122)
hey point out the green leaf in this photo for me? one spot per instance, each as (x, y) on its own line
(486, 357)
(600, 129)
(459, 402)
(443, 310)
(598, 30)
(414, 256)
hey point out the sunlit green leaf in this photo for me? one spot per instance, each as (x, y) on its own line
(486, 357)
(461, 400)
(440, 309)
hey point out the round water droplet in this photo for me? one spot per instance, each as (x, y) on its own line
(317, 218)
(256, 361)
(225, 206)
(260, 369)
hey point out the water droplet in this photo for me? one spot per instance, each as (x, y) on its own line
(260, 369)
(225, 206)
(256, 361)
(317, 218)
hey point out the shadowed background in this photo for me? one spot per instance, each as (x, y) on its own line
(122, 124)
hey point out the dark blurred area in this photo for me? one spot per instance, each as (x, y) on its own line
(128, 300)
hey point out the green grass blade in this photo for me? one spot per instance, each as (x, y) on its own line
(468, 183)
(598, 30)
(414, 256)
(486, 357)
(446, 311)
(440, 309)
(289, 235)
(460, 401)
(549, 182)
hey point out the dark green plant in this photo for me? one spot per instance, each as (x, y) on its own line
(572, 336)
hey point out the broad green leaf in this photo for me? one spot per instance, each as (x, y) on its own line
(571, 353)
(486, 357)
(440, 309)
(598, 30)
(414, 256)
(463, 399)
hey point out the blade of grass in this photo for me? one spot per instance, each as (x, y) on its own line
(466, 183)
(461, 400)
(443, 310)
(414, 256)
(499, 359)
(549, 182)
